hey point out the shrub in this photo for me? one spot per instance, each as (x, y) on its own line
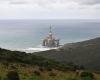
(12, 75)
(86, 76)
(52, 74)
(71, 79)
(34, 77)
(37, 73)
(0, 78)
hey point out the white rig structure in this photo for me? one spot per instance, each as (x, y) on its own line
(50, 41)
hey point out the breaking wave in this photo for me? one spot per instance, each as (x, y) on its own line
(36, 49)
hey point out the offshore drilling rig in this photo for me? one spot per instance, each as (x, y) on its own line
(50, 41)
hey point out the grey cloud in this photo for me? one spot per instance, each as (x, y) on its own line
(13, 1)
(87, 2)
(18, 2)
(84, 2)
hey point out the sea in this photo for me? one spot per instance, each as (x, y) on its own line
(24, 34)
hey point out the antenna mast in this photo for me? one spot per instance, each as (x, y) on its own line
(50, 30)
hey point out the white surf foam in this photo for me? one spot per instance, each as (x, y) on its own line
(35, 49)
(31, 50)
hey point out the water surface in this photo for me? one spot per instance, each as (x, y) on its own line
(16, 34)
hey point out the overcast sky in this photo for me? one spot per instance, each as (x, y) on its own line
(49, 9)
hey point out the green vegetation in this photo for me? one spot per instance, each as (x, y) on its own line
(86, 53)
(15, 65)
(7, 57)
(12, 75)
(87, 76)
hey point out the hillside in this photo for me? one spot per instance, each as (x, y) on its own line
(15, 65)
(86, 53)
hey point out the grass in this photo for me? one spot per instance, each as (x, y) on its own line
(27, 73)
(32, 67)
